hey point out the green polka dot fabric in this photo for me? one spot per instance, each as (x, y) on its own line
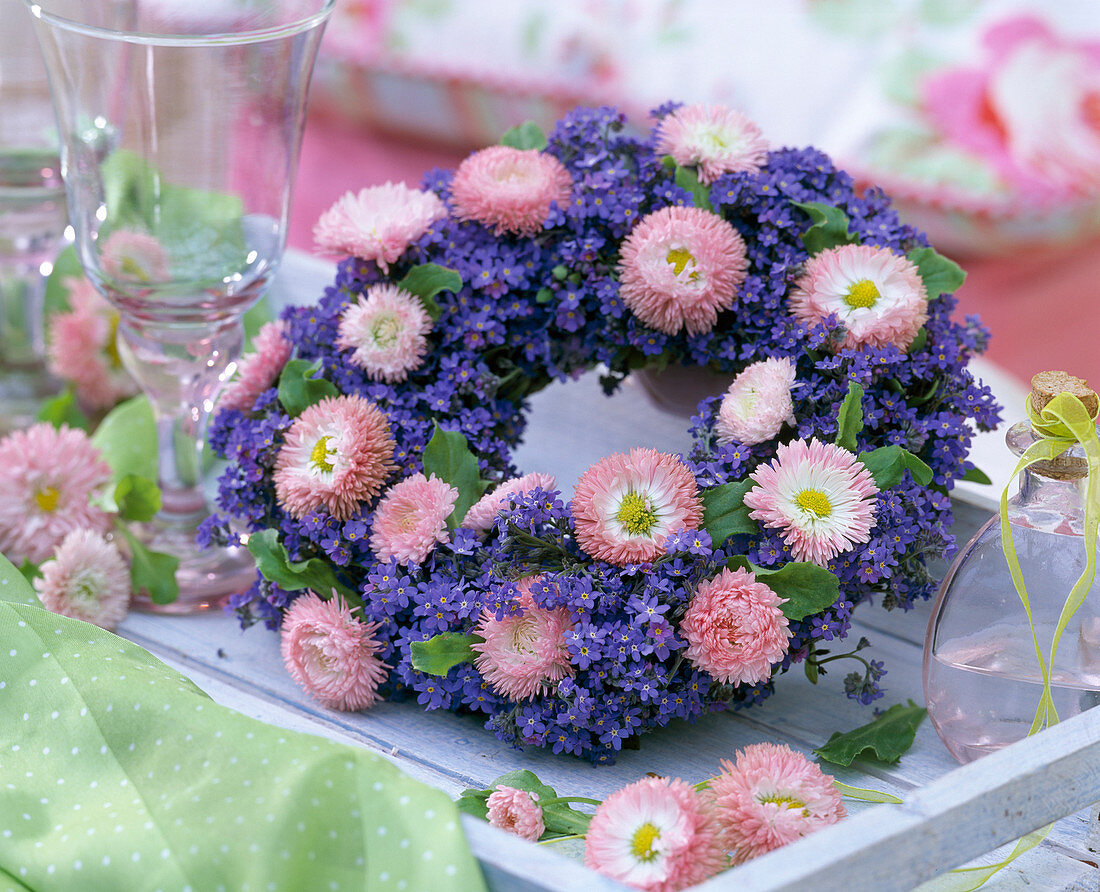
(117, 773)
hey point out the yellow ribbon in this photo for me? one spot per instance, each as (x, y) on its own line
(1063, 423)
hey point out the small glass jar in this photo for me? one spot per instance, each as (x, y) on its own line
(982, 677)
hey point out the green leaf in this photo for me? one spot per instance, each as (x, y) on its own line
(812, 671)
(688, 179)
(527, 135)
(918, 342)
(850, 417)
(15, 585)
(439, 653)
(62, 409)
(448, 456)
(274, 563)
(888, 737)
(807, 587)
(137, 498)
(474, 802)
(829, 227)
(428, 280)
(300, 388)
(151, 571)
(544, 296)
(887, 463)
(725, 513)
(976, 475)
(940, 275)
(67, 266)
(127, 439)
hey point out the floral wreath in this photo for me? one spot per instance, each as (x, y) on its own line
(370, 436)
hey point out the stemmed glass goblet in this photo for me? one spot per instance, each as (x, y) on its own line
(180, 125)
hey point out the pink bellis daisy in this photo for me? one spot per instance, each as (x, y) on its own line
(387, 331)
(379, 224)
(525, 652)
(83, 351)
(771, 797)
(655, 834)
(819, 495)
(715, 139)
(129, 256)
(86, 579)
(483, 513)
(734, 628)
(625, 506)
(336, 455)
(679, 267)
(757, 404)
(411, 518)
(516, 811)
(331, 654)
(258, 370)
(878, 296)
(46, 479)
(509, 190)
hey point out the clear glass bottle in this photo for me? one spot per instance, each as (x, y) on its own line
(982, 680)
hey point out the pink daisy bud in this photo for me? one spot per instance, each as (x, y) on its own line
(134, 257)
(679, 267)
(379, 224)
(47, 477)
(625, 506)
(524, 653)
(337, 454)
(516, 811)
(83, 351)
(757, 404)
(771, 797)
(331, 654)
(509, 190)
(483, 513)
(87, 579)
(734, 628)
(260, 369)
(819, 495)
(716, 140)
(878, 296)
(655, 834)
(412, 518)
(387, 330)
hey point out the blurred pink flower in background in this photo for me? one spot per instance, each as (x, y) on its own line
(331, 654)
(1032, 110)
(86, 579)
(129, 256)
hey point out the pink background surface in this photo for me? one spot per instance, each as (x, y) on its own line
(1040, 306)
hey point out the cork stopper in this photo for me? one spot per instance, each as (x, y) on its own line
(1045, 386)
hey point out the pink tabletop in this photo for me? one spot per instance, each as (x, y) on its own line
(1040, 307)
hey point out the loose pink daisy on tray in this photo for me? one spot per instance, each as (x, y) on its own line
(516, 811)
(509, 190)
(336, 455)
(46, 479)
(258, 370)
(525, 652)
(625, 506)
(819, 495)
(878, 296)
(379, 223)
(655, 834)
(387, 330)
(715, 139)
(82, 348)
(86, 579)
(483, 513)
(758, 403)
(331, 654)
(734, 628)
(679, 267)
(411, 518)
(771, 797)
